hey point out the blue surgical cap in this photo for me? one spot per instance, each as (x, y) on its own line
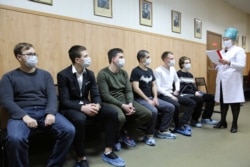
(231, 33)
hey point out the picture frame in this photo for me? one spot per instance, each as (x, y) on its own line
(176, 21)
(103, 8)
(244, 39)
(197, 28)
(48, 2)
(146, 12)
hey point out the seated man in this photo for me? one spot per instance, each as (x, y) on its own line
(189, 89)
(75, 83)
(116, 90)
(29, 96)
(145, 93)
(165, 77)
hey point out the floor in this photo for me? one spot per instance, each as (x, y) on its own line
(208, 147)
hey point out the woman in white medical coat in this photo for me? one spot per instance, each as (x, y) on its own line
(229, 81)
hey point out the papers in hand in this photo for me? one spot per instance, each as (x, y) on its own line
(214, 55)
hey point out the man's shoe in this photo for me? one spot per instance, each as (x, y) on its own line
(113, 159)
(184, 131)
(165, 135)
(209, 121)
(82, 163)
(117, 146)
(127, 139)
(149, 141)
(196, 124)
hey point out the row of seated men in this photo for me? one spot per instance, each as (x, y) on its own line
(123, 104)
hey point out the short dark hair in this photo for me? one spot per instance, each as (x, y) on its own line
(20, 47)
(141, 54)
(165, 54)
(182, 61)
(75, 52)
(113, 53)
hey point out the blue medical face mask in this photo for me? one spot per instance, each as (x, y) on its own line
(86, 62)
(31, 61)
(228, 43)
(171, 63)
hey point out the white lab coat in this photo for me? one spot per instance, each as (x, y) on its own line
(230, 76)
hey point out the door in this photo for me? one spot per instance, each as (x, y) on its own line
(214, 42)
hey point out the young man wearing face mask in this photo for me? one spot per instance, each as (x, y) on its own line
(166, 76)
(145, 93)
(189, 89)
(116, 90)
(229, 81)
(28, 94)
(75, 84)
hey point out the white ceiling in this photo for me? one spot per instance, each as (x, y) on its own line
(243, 5)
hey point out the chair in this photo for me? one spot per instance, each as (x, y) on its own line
(200, 81)
(4, 116)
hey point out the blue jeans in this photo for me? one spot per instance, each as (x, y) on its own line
(167, 112)
(17, 143)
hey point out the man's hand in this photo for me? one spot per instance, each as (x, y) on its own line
(49, 119)
(128, 108)
(90, 109)
(30, 122)
(174, 98)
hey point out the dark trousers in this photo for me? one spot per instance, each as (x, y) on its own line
(189, 108)
(208, 99)
(107, 115)
(130, 122)
(17, 143)
(235, 107)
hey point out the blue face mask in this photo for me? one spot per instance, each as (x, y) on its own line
(31, 61)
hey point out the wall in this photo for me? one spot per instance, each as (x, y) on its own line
(56, 28)
(53, 35)
(216, 15)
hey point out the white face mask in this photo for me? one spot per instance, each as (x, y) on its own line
(120, 63)
(228, 43)
(147, 62)
(87, 62)
(187, 66)
(171, 63)
(31, 61)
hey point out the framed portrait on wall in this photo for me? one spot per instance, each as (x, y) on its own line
(197, 28)
(103, 8)
(48, 2)
(176, 21)
(146, 11)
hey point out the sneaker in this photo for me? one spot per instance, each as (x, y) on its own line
(196, 124)
(117, 146)
(149, 141)
(183, 131)
(165, 135)
(113, 159)
(82, 163)
(127, 139)
(209, 121)
(187, 127)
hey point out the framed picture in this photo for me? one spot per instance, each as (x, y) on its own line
(244, 38)
(103, 8)
(146, 12)
(48, 2)
(197, 28)
(176, 21)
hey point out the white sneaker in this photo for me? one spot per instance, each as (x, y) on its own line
(209, 121)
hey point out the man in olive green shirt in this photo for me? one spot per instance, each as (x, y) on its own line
(116, 90)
